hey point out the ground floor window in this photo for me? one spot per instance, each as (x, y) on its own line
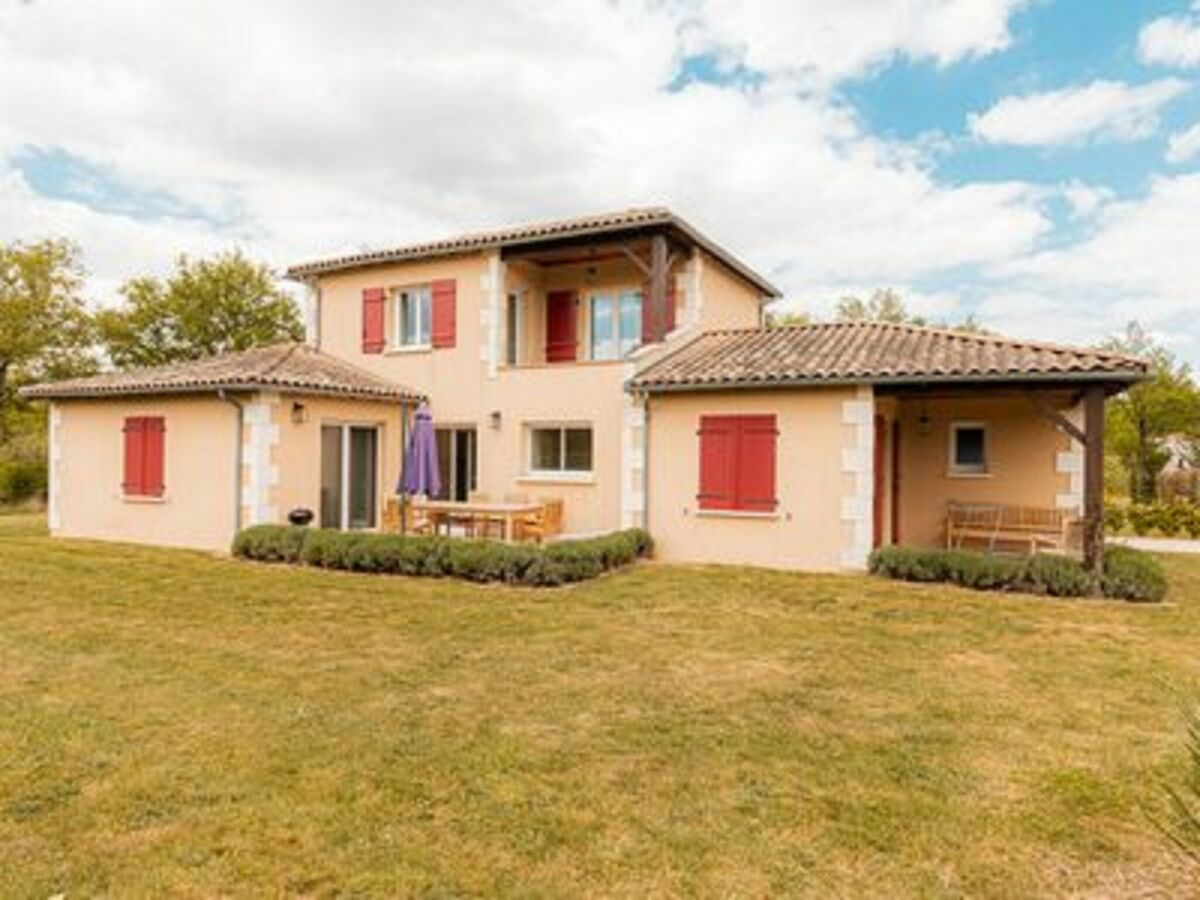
(737, 463)
(968, 448)
(555, 449)
(458, 467)
(144, 444)
(349, 476)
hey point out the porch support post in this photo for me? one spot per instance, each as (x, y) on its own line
(1093, 478)
(658, 289)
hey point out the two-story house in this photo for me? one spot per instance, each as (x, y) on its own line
(618, 363)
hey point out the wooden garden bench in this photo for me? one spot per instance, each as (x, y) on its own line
(1029, 528)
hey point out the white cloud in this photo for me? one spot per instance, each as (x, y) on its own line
(1184, 146)
(1102, 110)
(1085, 199)
(1172, 40)
(820, 41)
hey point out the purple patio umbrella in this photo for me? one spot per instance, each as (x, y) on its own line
(421, 459)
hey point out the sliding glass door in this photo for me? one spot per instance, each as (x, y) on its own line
(349, 476)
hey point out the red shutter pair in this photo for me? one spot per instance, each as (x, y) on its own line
(144, 456)
(561, 333)
(737, 463)
(443, 327)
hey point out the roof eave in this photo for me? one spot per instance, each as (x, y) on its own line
(304, 272)
(49, 393)
(1120, 377)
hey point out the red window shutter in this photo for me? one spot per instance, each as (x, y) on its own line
(153, 457)
(445, 313)
(756, 463)
(561, 319)
(372, 320)
(718, 458)
(131, 481)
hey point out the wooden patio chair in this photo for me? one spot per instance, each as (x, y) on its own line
(545, 523)
(417, 521)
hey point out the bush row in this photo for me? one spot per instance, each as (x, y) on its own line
(393, 554)
(22, 480)
(1128, 574)
(1176, 518)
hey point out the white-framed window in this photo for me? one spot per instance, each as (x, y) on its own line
(412, 316)
(968, 448)
(616, 324)
(560, 449)
(514, 322)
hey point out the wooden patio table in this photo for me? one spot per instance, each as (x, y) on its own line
(505, 513)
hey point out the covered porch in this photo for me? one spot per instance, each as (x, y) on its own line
(996, 467)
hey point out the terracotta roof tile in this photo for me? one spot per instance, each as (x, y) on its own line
(872, 352)
(583, 226)
(291, 366)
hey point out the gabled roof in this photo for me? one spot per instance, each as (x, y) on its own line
(292, 366)
(599, 226)
(873, 353)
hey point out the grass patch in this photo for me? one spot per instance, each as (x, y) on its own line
(175, 723)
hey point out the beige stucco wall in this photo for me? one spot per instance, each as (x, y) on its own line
(298, 452)
(470, 382)
(1028, 460)
(197, 508)
(805, 533)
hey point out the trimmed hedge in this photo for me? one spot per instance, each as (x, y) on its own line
(1177, 518)
(482, 561)
(1128, 574)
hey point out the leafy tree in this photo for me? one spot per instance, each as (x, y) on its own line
(45, 330)
(206, 306)
(784, 319)
(886, 305)
(1140, 421)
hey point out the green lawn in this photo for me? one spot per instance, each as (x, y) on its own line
(175, 723)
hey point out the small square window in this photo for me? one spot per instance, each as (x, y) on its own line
(559, 449)
(968, 448)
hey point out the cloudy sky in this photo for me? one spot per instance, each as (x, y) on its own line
(1035, 163)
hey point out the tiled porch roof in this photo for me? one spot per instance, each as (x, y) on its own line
(598, 226)
(291, 367)
(873, 353)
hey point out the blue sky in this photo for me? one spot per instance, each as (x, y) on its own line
(1034, 163)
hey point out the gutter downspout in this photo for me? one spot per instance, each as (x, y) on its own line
(403, 463)
(237, 466)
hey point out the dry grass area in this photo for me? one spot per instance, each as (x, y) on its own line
(174, 723)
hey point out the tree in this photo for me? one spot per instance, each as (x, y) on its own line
(45, 330)
(1139, 422)
(886, 305)
(785, 319)
(206, 306)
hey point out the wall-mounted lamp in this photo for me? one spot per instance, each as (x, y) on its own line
(299, 413)
(494, 418)
(924, 423)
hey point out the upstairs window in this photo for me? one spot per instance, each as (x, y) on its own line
(555, 449)
(145, 437)
(616, 324)
(968, 448)
(413, 316)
